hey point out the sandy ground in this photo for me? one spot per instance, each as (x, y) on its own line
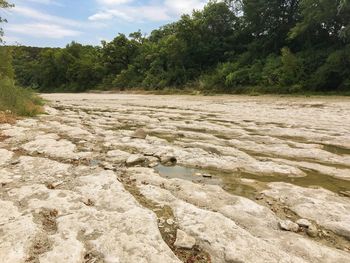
(141, 178)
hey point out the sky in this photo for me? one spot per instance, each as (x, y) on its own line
(55, 23)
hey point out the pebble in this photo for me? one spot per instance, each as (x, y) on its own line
(153, 164)
(259, 197)
(170, 221)
(139, 134)
(304, 223)
(135, 159)
(312, 231)
(288, 225)
(168, 160)
(183, 240)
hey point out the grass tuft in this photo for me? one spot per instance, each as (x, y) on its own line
(18, 101)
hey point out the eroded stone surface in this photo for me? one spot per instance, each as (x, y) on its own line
(63, 179)
(320, 205)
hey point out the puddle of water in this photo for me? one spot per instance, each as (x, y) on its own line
(313, 179)
(231, 181)
(184, 173)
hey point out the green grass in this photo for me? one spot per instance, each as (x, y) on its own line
(18, 101)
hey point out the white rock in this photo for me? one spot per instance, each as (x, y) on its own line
(5, 156)
(304, 223)
(312, 231)
(288, 225)
(139, 134)
(324, 207)
(51, 147)
(135, 159)
(183, 240)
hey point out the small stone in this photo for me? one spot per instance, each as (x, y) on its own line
(139, 134)
(260, 196)
(108, 166)
(135, 159)
(207, 175)
(57, 184)
(54, 185)
(152, 165)
(170, 221)
(304, 223)
(183, 240)
(325, 233)
(168, 160)
(312, 231)
(198, 174)
(152, 161)
(288, 225)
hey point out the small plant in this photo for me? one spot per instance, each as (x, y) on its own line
(22, 102)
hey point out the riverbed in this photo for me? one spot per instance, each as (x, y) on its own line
(115, 177)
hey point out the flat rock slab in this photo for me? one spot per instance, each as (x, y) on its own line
(324, 207)
(72, 189)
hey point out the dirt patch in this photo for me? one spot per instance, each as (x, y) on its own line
(167, 224)
(7, 118)
(47, 219)
(323, 236)
(40, 245)
(3, 137)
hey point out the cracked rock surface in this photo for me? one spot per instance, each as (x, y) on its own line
(139, 178)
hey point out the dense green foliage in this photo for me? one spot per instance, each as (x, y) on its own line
(14, 99)
(232, 46)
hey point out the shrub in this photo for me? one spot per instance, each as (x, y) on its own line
(19, 101)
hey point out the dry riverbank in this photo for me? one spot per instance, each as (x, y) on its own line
(144, 178)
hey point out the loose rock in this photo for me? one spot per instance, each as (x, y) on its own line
(304, 223)
(312, 231)
(135, 159)
(288, 225)
(183, 240)
(168, 160)
(139, 134)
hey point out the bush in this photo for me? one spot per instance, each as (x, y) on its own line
(19, 101)
(334, 73)
(292, 68)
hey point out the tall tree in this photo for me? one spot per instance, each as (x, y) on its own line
(3, 5)
(269, 22)
(324, 20)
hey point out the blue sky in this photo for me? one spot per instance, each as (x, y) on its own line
(55, 23)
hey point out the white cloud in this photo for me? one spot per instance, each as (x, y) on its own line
(46, 2)
(37, 15)
(184, 6)
(42, 30)
(128, 13)
(155, 11)
(43, 25)
(114, 2)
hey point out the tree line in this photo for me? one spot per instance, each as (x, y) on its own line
(232, 46)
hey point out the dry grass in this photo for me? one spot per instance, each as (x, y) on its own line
(21, 102)
(7, 117)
